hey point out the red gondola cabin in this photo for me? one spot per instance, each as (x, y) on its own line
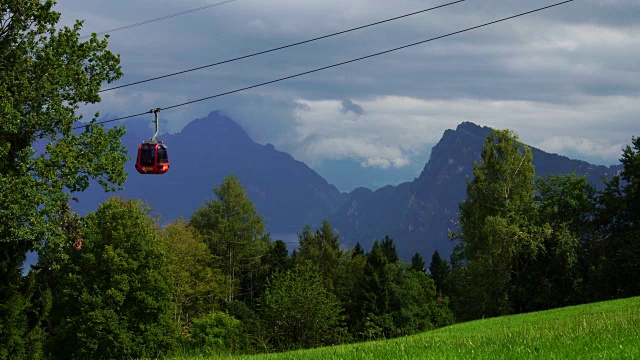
(153, 158)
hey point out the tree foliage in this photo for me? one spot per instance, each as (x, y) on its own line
(616, 266)
(216, 333)
(321, 249)
(299, 311)
(565, 208)
(394, 298)
(196, 285)
(414, 304)
(357, 250)
(417, 263)
(112, 299)
(557, 243)
(439, 269)
(376, 286)
(495, 234)
(234, 232)
(45, 75)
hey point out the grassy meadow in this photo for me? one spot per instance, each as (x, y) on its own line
(605, 330)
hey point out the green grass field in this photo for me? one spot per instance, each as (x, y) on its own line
(606, 330)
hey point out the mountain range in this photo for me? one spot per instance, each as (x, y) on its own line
(420, 213)
(285, 191)
(289, 194)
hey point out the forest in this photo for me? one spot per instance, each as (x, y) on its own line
(116, 283)
(121, 285)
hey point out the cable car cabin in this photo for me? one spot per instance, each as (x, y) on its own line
(153, 158)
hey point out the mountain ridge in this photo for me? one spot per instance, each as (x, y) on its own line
(289, 194)
(212, 148)
(424, 210)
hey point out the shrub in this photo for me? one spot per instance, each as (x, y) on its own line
(216, 332)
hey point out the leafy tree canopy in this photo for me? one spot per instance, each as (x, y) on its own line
(299, 311)
(197, 286)
(112, 299)
(496, 225)
(46, 74)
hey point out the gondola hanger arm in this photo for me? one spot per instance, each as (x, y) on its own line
(155, 111)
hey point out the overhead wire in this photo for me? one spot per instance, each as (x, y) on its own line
(281, 47)
(158, 19)
(338, 64)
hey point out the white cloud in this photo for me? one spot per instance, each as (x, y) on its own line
(396, 128)
(370, 153)
(593, 148)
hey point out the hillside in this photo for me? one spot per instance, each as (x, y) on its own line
(606, 330)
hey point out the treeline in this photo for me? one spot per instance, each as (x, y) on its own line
(526, 243)
(124, 286)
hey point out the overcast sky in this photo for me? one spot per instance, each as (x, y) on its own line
(566, 79)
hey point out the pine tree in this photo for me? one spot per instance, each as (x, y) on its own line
(417, 263)
(389, 250)
(439, 269)
(234, 232)
(357, 250)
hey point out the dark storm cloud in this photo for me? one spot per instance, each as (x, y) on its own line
(350, 106)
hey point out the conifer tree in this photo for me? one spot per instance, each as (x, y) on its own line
(322, 249)
(357, 250)
(389, 250)
(234, 232)
(439, 269)
(417, 263)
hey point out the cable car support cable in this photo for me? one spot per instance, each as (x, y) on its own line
(157, 19)
(279, 48)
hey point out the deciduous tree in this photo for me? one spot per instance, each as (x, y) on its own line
(299, 311)
(197, 286)
(46, 73)
(617, 221)
(495, 232)
(112, 299)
